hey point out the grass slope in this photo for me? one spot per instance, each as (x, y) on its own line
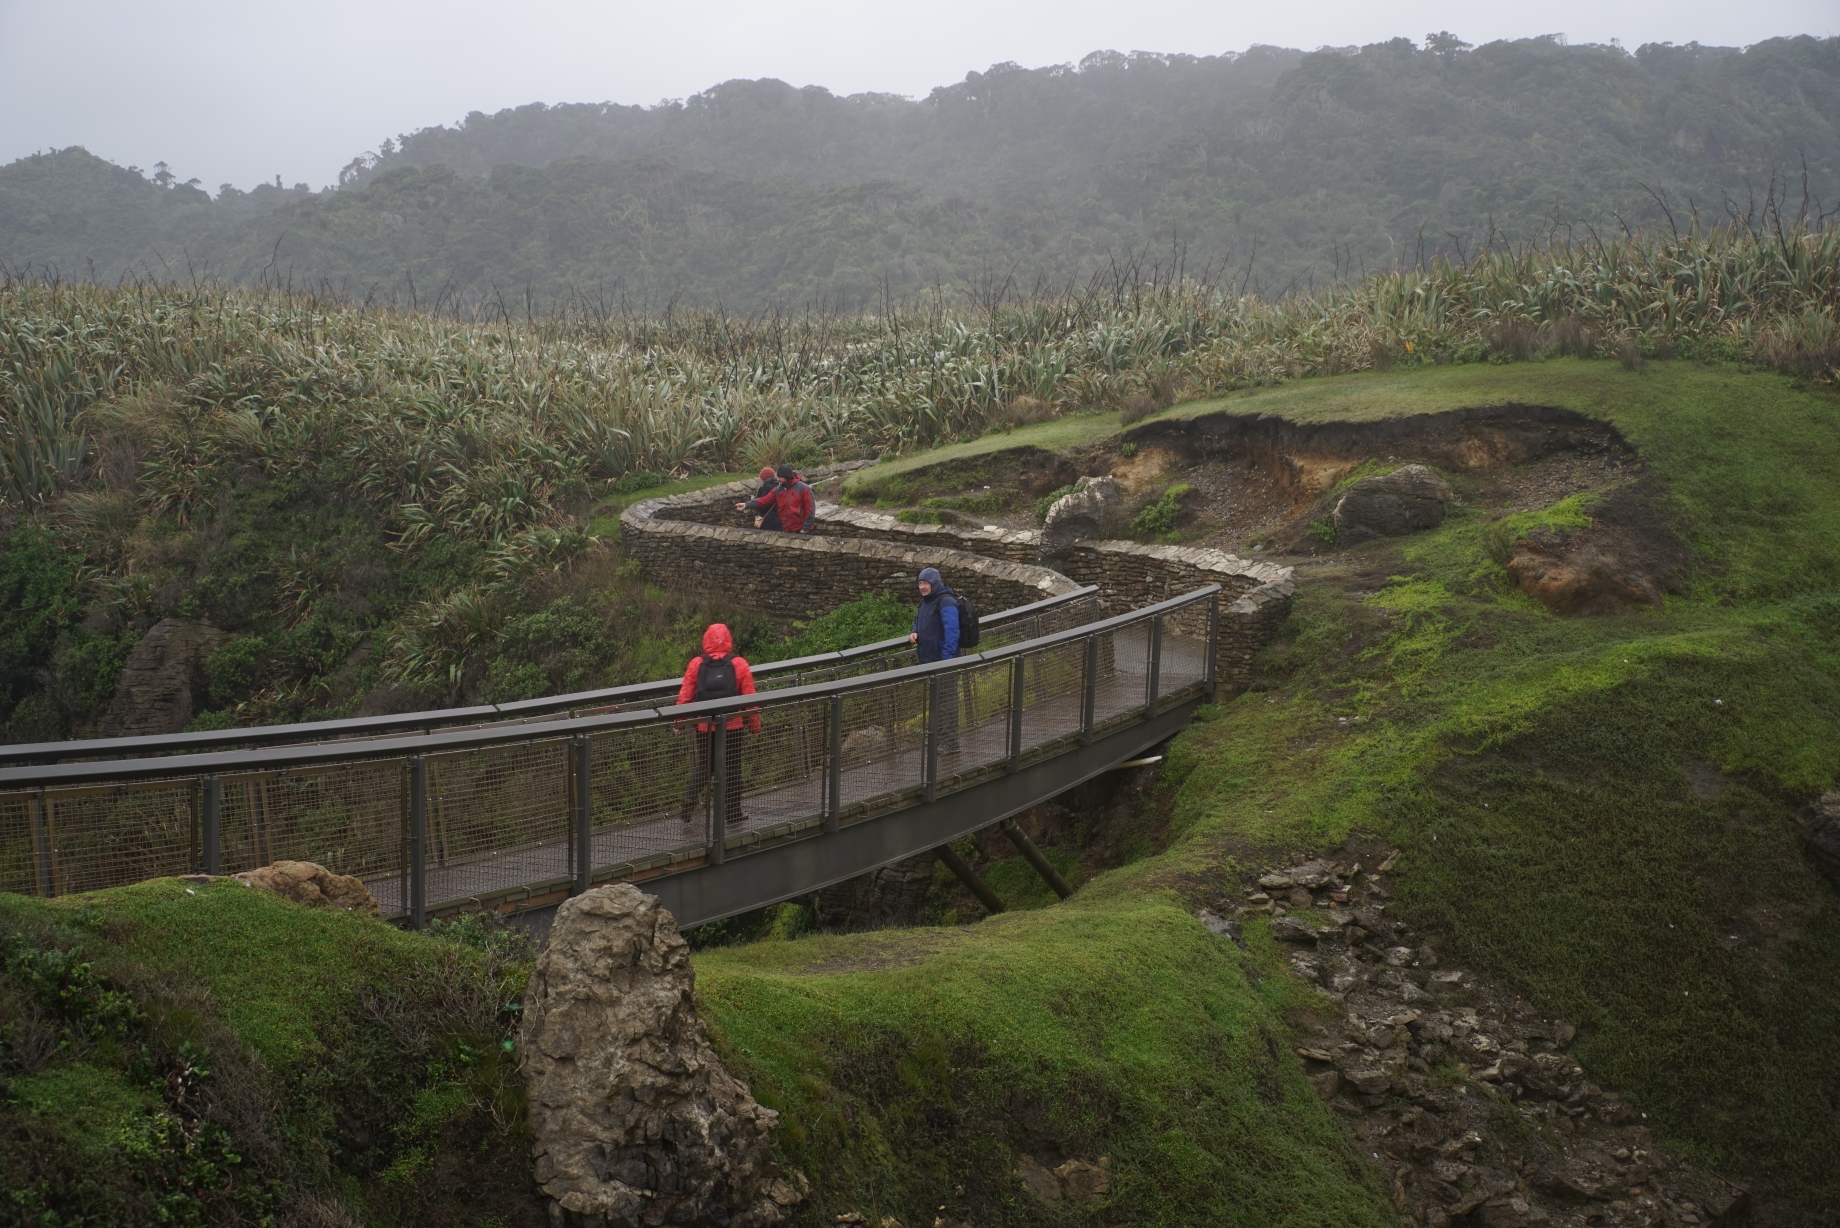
(211, 1054)
(1598, 812)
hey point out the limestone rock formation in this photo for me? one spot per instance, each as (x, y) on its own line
(162, 680)
(1392, 505)
(636, 1121)
(306, 882)
(1821, 833)
(1080, 516)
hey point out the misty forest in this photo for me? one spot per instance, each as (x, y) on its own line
(1368, 752)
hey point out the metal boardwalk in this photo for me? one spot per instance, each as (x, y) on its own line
(848, 763)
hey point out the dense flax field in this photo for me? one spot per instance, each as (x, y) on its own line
(361, 496)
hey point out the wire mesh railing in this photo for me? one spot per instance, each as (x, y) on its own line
(1003, 627)
(471, 817)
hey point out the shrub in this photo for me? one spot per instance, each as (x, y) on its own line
(1160, 517)
(1049, 500)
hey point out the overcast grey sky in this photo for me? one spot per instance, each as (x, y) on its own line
(239, 91)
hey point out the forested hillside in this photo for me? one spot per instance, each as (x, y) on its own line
(1277, 167)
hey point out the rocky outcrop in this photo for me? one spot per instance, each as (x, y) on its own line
(1820, 824)
(1424, 1062)
(1625, 554)
(1082, 514)
(163, 679)
(635, 1120)
(1407, 500)
(306, 882)
(1571, 577)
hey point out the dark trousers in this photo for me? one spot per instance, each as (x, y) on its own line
(703, 770)
(945, 721)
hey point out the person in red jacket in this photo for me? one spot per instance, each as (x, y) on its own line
(717, 673)
(791, 499)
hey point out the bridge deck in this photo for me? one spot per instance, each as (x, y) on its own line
(619, 850)
(490, 816)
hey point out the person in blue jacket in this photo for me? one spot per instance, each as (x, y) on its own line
(935, 638)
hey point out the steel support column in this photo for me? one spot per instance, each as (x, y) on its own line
(966, 875)
(1027, 848)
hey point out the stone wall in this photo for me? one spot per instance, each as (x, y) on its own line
(692, 538)
(792, 575)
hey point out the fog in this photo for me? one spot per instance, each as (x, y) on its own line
(241, 93)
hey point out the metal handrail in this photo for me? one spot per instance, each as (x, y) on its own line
(283, 757)
(349, 731)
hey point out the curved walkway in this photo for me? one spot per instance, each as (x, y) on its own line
(836, 777)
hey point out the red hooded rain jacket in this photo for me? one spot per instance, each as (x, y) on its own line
(717, 642)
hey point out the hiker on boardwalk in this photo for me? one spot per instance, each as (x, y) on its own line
(790, 499)
(717, 673)
(935, 638)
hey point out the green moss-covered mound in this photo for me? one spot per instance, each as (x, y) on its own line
(180, 1053)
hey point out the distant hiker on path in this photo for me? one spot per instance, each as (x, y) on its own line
(768, 519)
(790, 500)
(717, 673)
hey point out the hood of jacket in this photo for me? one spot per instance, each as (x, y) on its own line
(930, 575)
(717, 642)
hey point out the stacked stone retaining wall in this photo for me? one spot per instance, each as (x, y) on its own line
(683, 540)
(793, 575)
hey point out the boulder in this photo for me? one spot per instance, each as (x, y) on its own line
(1404, 501)
(1820, 824)
(1081, 515)
(1573, 575)
(163, 679)
(1040, 1181)
(1084, 1179)
(1293, 929)
(307, 882)
(635, 1120)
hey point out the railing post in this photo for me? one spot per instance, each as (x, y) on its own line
(833, 778)
(418, 842)
(41, 845)
(213, 824)
(932, 737)
(581, 751)
(1156, 662)
(1016, 679)
(1213, 643)
(718, 790)
(1089, 700)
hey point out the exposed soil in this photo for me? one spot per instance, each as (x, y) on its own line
(1260, 484)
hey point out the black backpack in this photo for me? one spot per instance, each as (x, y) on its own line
(715, 679)
(967, 621)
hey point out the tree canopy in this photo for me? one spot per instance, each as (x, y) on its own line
(1274, 167)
